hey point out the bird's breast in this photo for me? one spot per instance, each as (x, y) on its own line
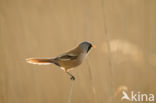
(82, 56)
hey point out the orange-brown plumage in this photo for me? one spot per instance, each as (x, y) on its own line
(68, 60)
(39, 61)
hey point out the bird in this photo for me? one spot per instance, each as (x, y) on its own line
(67, 60)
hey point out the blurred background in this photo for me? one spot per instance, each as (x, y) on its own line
(123, 32)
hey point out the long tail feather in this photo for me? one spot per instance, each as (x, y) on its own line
(39, 61)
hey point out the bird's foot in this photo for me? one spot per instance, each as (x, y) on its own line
(72, 78)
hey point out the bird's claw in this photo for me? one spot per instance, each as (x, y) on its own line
(72, 78)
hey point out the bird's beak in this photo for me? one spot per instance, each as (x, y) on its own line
(93, 46)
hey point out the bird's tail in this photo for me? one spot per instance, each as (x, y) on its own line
(39, 61)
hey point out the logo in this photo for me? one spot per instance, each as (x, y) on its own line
(137, 96)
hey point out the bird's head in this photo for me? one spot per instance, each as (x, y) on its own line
(86, 46)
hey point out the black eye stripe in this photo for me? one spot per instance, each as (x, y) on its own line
(89, 48)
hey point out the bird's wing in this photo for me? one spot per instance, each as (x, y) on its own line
(67, 56)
